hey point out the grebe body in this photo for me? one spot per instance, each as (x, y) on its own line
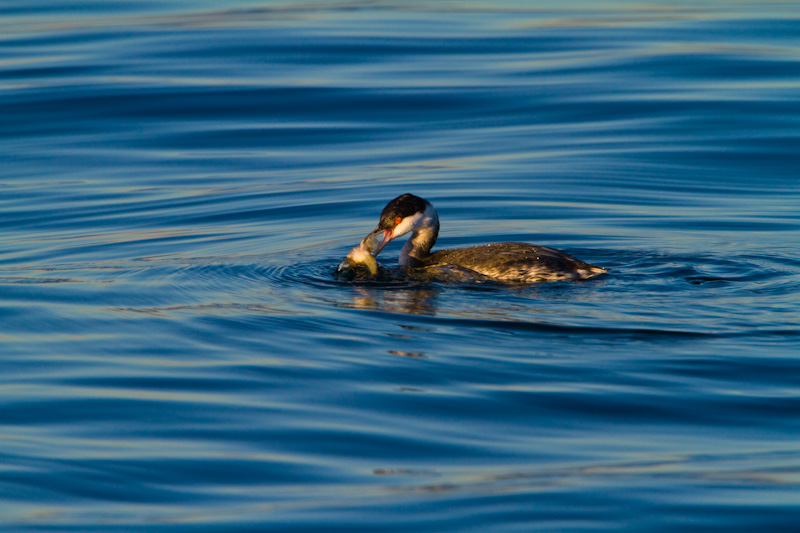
(508, 261)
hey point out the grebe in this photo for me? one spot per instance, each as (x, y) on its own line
(507, 261)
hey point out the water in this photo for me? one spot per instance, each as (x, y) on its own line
(179, 181)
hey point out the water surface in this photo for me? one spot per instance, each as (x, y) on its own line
(179, 182)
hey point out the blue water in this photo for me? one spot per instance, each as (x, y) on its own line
(179, 180)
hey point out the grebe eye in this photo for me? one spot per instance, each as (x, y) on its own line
(398, 220)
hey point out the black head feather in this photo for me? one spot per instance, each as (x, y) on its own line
(401, 207)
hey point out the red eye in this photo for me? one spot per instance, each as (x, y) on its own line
(398, 220)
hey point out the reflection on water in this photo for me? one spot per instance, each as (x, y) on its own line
(413, 300)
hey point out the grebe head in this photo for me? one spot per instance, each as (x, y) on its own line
(402, 215)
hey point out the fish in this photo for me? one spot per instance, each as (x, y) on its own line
(359, 262)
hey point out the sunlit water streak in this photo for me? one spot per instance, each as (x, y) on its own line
(180, 181)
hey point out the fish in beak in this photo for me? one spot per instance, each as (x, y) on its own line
(388, 235)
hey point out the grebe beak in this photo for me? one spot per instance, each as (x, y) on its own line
(388, 235)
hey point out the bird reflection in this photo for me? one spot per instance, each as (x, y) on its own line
(414, 301)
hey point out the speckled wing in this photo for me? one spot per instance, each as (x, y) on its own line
(517, 261)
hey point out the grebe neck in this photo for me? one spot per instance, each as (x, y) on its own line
(423, 237)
